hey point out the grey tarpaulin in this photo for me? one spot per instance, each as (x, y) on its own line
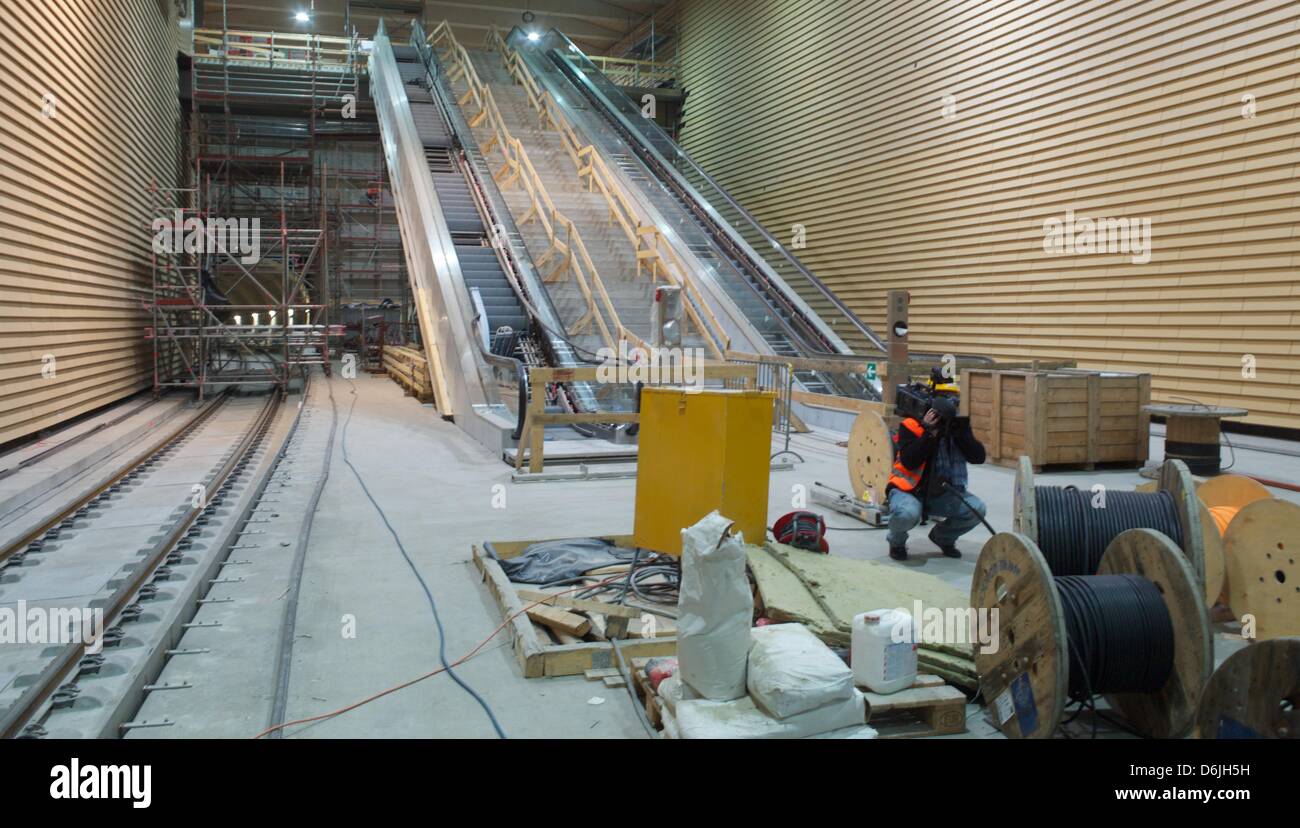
(561, 560)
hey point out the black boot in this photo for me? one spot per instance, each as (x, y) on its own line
(949, 550)
(898, 553)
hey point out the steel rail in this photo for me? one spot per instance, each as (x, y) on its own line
(31, 703)
(194, 422)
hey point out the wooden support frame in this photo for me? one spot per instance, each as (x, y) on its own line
(536, 418)
(518, 169)
(536, 658)
(661, 260)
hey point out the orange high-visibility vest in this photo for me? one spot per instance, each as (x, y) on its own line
(903, 477)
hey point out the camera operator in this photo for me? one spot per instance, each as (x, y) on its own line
(929, 471)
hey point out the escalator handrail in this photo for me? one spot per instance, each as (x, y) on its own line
(644, 143)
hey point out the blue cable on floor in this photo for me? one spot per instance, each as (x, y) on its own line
(433, 605)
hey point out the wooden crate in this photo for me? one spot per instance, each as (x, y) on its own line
(1059, 417)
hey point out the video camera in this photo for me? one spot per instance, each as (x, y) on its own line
(914, 399)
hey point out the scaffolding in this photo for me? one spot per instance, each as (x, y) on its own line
(370, 265)
(263, 99)
(201, 339)
(252, 311)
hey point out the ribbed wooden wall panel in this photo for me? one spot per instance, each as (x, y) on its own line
(74, 200)
(830, 114)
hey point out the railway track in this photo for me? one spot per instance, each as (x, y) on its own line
(141, 547)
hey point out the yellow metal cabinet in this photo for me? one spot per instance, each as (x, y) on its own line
(699, 452)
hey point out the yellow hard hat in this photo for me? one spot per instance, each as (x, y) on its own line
(938, 382)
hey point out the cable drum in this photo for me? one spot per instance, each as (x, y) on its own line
(1073, 534)
(1136, 633)
(1120, 634)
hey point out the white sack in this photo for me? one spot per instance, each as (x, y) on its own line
(791, 671)
(672, 690)
(715, 608)
(742, 719)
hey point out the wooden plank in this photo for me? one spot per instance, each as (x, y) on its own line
(560, 620)
(574, 659)
(836, 402)
(995, 414)
(528, 648)
(584, 604)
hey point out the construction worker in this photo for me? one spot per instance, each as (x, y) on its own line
(929, 473)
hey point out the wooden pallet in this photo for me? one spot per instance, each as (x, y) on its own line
(928, 708)
(654, 706)
(536, 655)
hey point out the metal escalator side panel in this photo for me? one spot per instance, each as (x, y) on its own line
(444, 309)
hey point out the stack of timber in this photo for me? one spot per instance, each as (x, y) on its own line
(409, 368)
(1059, 416)
(824, 593)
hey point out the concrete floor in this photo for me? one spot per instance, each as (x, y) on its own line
(438, 488)
(364, 624)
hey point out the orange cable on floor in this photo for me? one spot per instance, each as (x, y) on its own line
(419, 679)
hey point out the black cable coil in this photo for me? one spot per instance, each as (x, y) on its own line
(1073, 534)
(1121, 638)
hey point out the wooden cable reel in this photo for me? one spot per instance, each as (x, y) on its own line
(1255, 694)
(1174, 478)
(1222, 498)
(1262, 547)
(1025, 681)
(871, 455)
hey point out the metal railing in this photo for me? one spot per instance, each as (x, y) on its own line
(636, 73)
(566, 245)
(660, 259)
(279, 50)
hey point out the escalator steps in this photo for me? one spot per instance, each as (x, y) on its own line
(479, 265)
(409, 72)
(429, 125)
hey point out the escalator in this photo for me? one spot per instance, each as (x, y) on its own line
(484, 313)
(789, 312)
(494, 297)
(472, 338)
(521, 319)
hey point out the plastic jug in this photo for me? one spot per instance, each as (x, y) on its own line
(884, 650)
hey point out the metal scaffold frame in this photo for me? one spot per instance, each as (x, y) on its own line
(259, 102)
(201, 340)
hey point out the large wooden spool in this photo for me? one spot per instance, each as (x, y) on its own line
(1025, 680)
(1262, 547)
(871, 455)
(1255, 694)
(1225, 494)
(1174, 478)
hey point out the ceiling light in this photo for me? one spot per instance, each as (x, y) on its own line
(302, 17)
(534, 36)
